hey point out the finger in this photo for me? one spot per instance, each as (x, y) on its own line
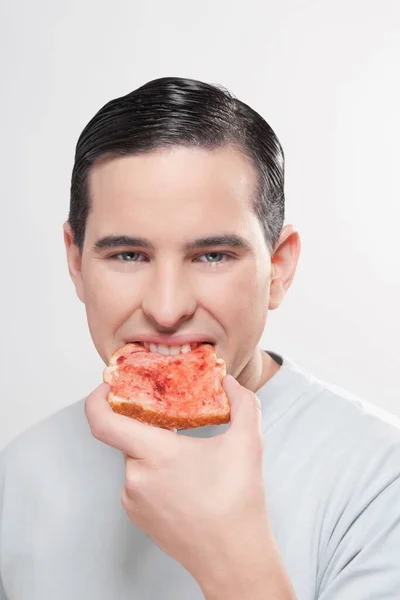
(135, 475)
(130, 436)
(245, 406)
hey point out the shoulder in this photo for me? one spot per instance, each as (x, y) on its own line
(60, 428)
(343, 449)
(338, 415)
(360, 444)
(333, 481)
(358, 425)
(62, 440)
(353, 448)
(360, 531)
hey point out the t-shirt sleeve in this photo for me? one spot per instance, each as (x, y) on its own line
(362, 559)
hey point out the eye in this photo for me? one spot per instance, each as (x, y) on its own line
(211, 258)
(127, 256)
(216, 258)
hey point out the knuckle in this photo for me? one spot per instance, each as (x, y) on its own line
(98, 430)
(133, 480)
(124, 498)
(95, 420)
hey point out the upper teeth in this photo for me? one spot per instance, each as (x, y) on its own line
(170, 350)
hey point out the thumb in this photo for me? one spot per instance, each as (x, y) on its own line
(245, 405)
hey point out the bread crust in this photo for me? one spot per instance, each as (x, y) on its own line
(152, 417)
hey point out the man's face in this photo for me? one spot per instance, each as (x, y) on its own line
(171, 198)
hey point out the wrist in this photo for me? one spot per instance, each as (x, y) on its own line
(251, 582)
(252, 570)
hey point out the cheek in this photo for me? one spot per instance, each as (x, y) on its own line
(239, 297)
(252, 290)
(110, 297)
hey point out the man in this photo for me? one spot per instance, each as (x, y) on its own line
(175, 235)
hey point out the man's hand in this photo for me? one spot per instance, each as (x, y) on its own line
(201, 500)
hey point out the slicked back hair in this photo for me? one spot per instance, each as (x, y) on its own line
(172, 112)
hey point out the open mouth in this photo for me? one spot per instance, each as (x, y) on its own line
(171, 350)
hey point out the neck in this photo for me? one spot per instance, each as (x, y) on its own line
(258, 370)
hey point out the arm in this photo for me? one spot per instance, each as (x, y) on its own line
(258, 576)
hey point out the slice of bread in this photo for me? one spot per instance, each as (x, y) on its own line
(181, 392)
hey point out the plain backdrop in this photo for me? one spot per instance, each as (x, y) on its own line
(325, 74)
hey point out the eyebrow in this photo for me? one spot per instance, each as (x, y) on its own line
(226, 239)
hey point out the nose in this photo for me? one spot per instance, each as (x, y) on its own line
(168, 299)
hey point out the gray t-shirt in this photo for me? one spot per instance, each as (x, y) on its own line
(332, 473)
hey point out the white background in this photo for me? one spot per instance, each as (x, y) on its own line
(325, 75)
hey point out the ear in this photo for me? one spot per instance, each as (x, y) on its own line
(283, 264)
(74, 259)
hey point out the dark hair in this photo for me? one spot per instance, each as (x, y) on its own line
(172, 112)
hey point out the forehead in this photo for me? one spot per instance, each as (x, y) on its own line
(172, 193)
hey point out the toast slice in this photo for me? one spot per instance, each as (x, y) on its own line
(182, 391)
